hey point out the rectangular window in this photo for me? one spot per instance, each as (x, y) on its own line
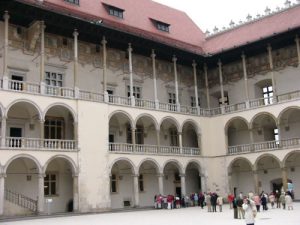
(141, 183)
(268, 95)
(113, 183)
(276, 135)
(54, 79)
(76, 2)
(50, 184)
(173, 137)
(16, 82)
(136, 92)
(162, 26)
(115, 12)
(172, 98)
(54, 128)
(193, 101)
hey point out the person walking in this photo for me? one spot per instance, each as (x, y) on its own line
(264, 202)
(213, 200)
(289, 201)
(277, 199)
(250, 211)
(220, 203)
(272, 199)
(240, 208)
(282, 200)
(257, 202)
(208, 202)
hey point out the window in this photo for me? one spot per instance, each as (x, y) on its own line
(139, 135)
(226, 101)
(110, 95)
(50, 184)
(114, 11)
(173, 137)
(136, 92)
(268, 95)
(54, 128)
(76, 2)
(193, 101)
(172, 98)
(54, 79)
(276, 135)
(162, 26)
(113, 183)
(16, 82)
(141, 183)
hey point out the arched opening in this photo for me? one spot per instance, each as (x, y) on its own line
(193, 179)
(146, 131)
(58, 186)
(241, 176)
(238, 132)
(292, 165)
(189, 135)
(290, 124)
(172, 182)
(148, 183)
(169, 135)
(264, 128)
(121, 185)
(21, 187)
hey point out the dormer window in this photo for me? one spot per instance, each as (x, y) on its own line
(161, 25)
(76, 2)
(114, 11)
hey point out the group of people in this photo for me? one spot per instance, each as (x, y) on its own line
(211, 200)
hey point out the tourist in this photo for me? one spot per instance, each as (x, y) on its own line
(213, 201)
(250, 211)
(272, 199)
(230, 199)
(208, 202)
(196, 199)
(257, 202)
(289, 201)
(201, 199)
(282, 199)
(220, 203)
(240, 208)
(264, 202)
(277, 198)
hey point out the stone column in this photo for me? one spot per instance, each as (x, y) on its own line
(199, 141)
(3, 130)
(42, 58)
(255, 178)
(75, 193)
(153, 55)
(136, 190)
(180, 141)
(133, 138)
(41, 197)
(5, 50)
(183, 186)
(75, 34)
(161, 183)
(196, 85)
(76, 136)
(245, 80)
(2, 192)
(130, 74)
(284, 178)
(104, 42)
(174, 59)
(221, 82)
(158, 138)
(230, 187)
(272, 73)
(298, 48)
(206, 86)
(203, 183)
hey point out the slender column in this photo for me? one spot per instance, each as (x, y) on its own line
(41, 197)
(206, 86)
(2, 190)
(75, 34)
(272, 72)
(133, 138)
(284, 178)
(230, 183)
(183, 186)
(195, 84)
(104, 42)
(42, 129)
(5, 56)
(75, 194)
(174, 59)
(221, 82)
(3, 131)
(136, 190)
(298, 48)
(42, 57)
(255, 178)
(130, 74)
(76, 138)
(161, 183)
(153, 55)
(199, 140)
(180, 141)
(158, 138)
(251, 139)
(203, 183)
(245, 80)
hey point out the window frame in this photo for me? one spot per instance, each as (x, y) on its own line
(49, 126)
(74, 2)
(268, 95)
(49, 78)
(137, 91)
(161, 26)
(49, 174)
(115, 180)
(115, 11)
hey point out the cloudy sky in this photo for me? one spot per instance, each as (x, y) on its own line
(210, 13)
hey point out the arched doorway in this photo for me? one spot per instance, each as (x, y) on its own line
(172, 182)
(193, 178)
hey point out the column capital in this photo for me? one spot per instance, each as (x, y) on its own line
(3, 175)
(103, 42)
(283, 168)
(160, 175)
(254, 171)
(135, 175)
(3, 117)
(129, 47)
(174, 59)
(243, 56)
(219, 63)
(6, 15)
(75, 175)
(75, 33)
(194, 64)
(296, 38)
(182, 175)
(205, 67)
(42, 24)
(42, 120)
(41, 175)
(269, 47)
(153, 55)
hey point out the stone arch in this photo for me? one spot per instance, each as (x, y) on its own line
(284, 161)
(262, 113)
(22, 156)
(229, 167)
(266, 155)
(71, 162)
(38, 109)
(233, 119)
(193, 122)
(153, 161)
(1, 110)
(285, 110)
(172, 119)
(200, 170)
(131, 120)
(133, 167)
(71, 110)
(149, 116)
(176, 162)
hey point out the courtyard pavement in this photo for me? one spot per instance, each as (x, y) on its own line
(184, 216)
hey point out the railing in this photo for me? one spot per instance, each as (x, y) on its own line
(36, 143)
(288, 96)
(60, 91)
(21, 200)
(262, 146)
(152, 149)
(91, 96)
(16, 85)
(168, 107)
(235, 107)
(119, 100)
(147, 104)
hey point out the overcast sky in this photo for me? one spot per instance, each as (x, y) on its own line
(210, 13)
